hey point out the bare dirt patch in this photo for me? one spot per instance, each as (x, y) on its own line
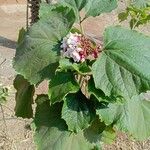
(12, 2)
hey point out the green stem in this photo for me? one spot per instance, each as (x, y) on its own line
(135, 24)
(81, 27)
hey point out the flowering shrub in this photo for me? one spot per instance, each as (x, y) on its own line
(94, 90)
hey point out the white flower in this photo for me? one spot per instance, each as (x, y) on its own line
(71, 47)
(79, 49)
(76, 57)
(64, 45)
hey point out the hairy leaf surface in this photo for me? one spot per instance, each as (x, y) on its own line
(132, 117)
(123, 67)
(38, 54)
(78, 4)
(62, 84)
(77, 112)
(92, 7)
(97, 7)
(51, 131)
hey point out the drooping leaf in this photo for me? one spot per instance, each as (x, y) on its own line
(123, 67)
(77, 112)
(62, 84)
(24, 97)
(37, 56)
(132, 116)
(51, 131)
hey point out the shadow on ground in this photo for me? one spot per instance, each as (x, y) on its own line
(7, 43)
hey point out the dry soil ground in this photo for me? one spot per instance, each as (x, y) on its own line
(15, 133)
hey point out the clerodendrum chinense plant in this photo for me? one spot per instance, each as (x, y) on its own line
(87, 100)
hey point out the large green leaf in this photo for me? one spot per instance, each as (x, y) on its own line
(38, 54)
(123, 67)
(132, 117)
(24, 97)
(62, 84)
(51, 131)
(77, 112)
(97, 7)
(92, 7)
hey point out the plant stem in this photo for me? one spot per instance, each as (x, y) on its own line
(81, 27)
(138, 18)
(82, 20)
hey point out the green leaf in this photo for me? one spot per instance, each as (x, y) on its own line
(133, 23)
(93, 133)
(92, 7)
(51, 131)
(123, 16)
(123, 67)
(62, 84)
(99, 132)
(132, 116)
(139, 16)
(45, 10)
(97, 7)
(78, 4)
(3, 94)
(108, 135)
(21, 36)
(81, 68)
(24, 97)
(38, 55)
(77, 112)
(97, 93)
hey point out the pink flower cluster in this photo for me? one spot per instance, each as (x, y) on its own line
(78, 47)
